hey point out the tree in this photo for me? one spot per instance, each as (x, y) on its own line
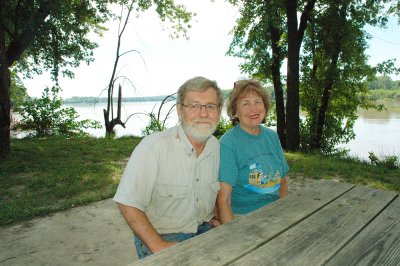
(258, 38)
(335, 68)
(41, 35)
(175, 14)
(37, 36)
(294, 40)
(266, 33)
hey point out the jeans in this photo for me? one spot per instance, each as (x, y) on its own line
(143, 251)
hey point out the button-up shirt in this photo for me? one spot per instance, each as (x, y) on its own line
(165, 179)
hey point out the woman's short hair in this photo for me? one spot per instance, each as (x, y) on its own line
(240, 89)
(199, 84)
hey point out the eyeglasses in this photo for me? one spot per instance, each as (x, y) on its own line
(196, 107)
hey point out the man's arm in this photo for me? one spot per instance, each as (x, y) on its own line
(215, 220)
(141, 226)
(224, 203)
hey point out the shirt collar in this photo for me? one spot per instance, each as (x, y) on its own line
(189, 147)
(185, 141)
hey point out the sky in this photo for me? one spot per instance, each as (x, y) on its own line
(163, 63)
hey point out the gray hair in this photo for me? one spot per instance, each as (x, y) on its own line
(199, 84)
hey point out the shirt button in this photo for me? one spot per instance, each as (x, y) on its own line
(197, 179)
(197, 200)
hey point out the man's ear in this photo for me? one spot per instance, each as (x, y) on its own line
(179, 111)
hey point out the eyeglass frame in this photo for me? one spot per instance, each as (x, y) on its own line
(197, 107)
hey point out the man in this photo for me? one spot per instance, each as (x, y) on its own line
(168, 190)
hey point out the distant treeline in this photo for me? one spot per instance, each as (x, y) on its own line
(381, 88)
(384, 83)
(91, 100)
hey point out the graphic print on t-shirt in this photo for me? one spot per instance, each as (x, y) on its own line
(262, 183)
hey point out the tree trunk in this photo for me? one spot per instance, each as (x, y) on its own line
(292, 104)
(295, 38)
(325, 101)
(9, 55)
(276, 79)
(5, 105)
(110, 124)
(330, 80)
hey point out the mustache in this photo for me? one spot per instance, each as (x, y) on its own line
(202, 120)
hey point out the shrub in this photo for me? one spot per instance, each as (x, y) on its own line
(46, 117)
(389, 161)
(223, 126)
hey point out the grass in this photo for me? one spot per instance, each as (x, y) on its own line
(348, 170)
(46, 175)
(42, 176)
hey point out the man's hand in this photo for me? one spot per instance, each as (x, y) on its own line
(163, 245)
(215, 222)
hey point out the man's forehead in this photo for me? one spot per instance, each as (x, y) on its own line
(210, 92)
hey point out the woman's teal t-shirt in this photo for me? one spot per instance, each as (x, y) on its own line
(253, 166)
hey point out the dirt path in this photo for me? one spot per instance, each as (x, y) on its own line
(95, 234)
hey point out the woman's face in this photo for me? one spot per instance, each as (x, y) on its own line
(250, 112)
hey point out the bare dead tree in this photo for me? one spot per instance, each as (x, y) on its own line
(109, 120)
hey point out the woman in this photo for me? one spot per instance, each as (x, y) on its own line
(252, 166)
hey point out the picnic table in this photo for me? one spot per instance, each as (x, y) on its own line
(327, 223)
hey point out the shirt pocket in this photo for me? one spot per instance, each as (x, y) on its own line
(170, 200)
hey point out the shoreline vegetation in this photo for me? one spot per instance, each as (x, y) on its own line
(391, 97)
(46, 175)
(91, 99)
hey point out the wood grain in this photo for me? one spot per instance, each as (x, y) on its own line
(377, 244)
(319, 237)
(231, 241)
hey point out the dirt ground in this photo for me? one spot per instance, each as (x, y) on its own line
(95, 234)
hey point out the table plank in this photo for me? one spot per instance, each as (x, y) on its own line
(233, 240)
(319, 237)
(377, 244)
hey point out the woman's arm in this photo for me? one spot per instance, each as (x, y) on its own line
(283, 190)
(224, 203)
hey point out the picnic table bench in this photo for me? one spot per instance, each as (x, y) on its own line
(326, 223)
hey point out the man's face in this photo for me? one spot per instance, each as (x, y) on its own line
(199, 122)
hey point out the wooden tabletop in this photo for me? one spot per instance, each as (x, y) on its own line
(327, 223)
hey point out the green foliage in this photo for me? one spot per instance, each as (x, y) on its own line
(383, 83)
(343, 169)
(154, 125)
(388, 161)
(53, 35)
(390, 95)
(223, 126)
(335, 69)
(271, 118)
(46, 117)
(18, 92)
(157, 123)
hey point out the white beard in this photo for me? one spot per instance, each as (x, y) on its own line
(197, 132)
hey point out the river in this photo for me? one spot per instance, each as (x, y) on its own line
(378, 132)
